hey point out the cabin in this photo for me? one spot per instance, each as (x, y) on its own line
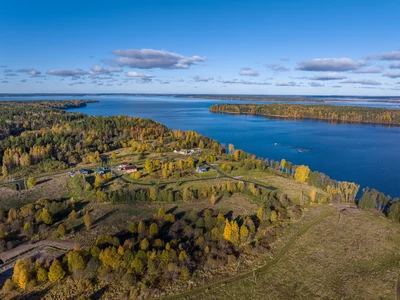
(100, 171)
(122, 166)
(186, 151)
(201, 169)
(130, 169)
(84, 171)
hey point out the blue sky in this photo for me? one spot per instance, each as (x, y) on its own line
(157, 46)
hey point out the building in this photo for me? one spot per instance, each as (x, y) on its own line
(130, 169)
(100, 171)
(201, 169)
(72, 174)
(186, 151)
(84, 171)
(122, 166)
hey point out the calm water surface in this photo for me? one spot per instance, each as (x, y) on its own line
(366, 154)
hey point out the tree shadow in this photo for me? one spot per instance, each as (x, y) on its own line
(43, 181)
(99, 293)
(33, 295)
(103, 217)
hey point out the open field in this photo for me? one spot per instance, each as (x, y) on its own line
(348, 255)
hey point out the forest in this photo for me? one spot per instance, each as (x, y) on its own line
(331, 113)
(149, 255)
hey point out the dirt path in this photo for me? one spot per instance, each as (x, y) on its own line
(40, 248)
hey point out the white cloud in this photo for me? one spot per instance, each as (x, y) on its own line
(392, 75)
(328, 76)
(31, 72)
(202, 79)
(66, 73)
(394, 55)
(246, 82)
(362, 82)
(248, 72)
(285, 83)
(150, 58)
(276, 68)
(329, 64)
(101, 70)
(395, 65)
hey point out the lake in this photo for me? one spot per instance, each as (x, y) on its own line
(366, 154)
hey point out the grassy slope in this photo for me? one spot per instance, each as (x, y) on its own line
(357, 257)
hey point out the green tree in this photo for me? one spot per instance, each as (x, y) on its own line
(153, 230)
(61, 229)
(75, 261)
(46, 217)
(56, 272)
(31, 182)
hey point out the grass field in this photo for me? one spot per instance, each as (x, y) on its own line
(348, 255)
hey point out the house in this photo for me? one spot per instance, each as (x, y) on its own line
(84, 171)
(122, 166)
(201, 169)
(130, 169)
(184, 151)
(100, 171)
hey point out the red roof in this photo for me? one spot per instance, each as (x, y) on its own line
(130, 168)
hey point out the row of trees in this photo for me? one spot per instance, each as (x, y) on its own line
(355, 114)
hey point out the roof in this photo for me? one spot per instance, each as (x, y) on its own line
(203, 168)
(130, 167)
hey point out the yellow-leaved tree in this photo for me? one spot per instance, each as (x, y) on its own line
(302, 173)
(22, 274)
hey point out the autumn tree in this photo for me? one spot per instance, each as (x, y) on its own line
(22, 273)
(56, 271)
(46, 217)
(153, 230)
(87, 219)
(61, 229)
(302, 173)
(31, 182)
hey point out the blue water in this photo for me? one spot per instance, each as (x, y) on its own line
(366, 154)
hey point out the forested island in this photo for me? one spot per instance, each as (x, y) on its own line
(133, 209)
(331, 113)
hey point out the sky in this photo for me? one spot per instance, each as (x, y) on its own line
(296, 47)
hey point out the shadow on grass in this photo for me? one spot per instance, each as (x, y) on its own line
(33, 295)
(99, 293)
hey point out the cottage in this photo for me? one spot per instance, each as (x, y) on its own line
(84, 171)
(122, 166)
(100, 171)
(201, 169)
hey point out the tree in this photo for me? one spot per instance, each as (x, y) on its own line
(22, 274)
(144, 244)
(244, 232)
(56, 272)
(75, 261)
(87, 220)
(46, 217)
(302, 173)
(72, 216)
(132, 228)
(61, 230)
(260, 213)
(41, 274)
(149, 166)
(98, 180)
(31, 182)
(161, 213)
(313, 195)
(231, 148)
(227, 230)
(4, 170)
(213, 199)
(201, 144)
(141, 228)
(153, 230)
(283, 164)
(273, 216)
